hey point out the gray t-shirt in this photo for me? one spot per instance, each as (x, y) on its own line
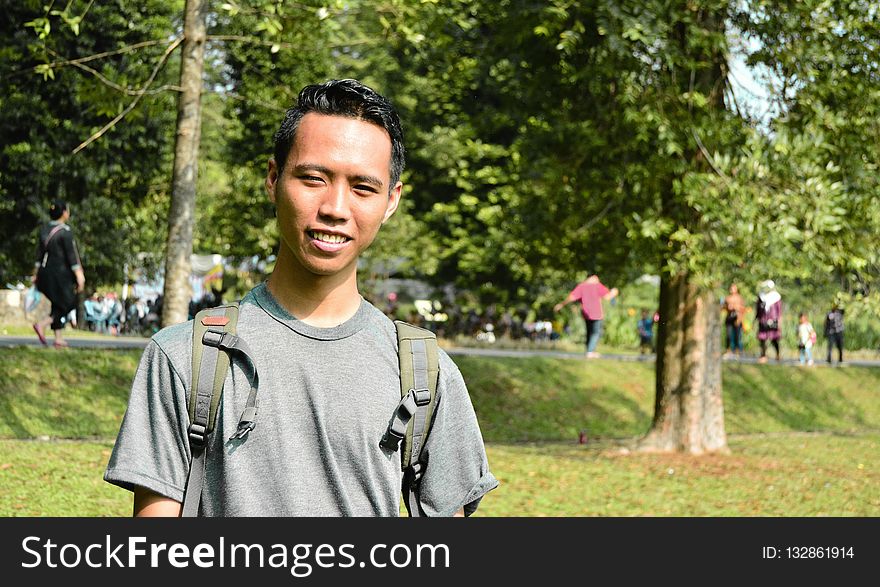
(325, 398)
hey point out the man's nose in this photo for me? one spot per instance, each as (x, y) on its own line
(336, 202)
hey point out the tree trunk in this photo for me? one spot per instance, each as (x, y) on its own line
(688, 410)
(181, 215)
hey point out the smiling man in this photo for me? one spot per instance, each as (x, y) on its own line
(327, 360)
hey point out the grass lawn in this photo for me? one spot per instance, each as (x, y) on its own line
(814, 474)
(804, 442)
(58, 478)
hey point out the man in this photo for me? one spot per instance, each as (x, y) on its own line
(58, 272)
(645, 327)
(834, 331)
(329, 377)
(735, 307)
(590, 294)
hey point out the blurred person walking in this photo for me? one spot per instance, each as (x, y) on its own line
(768, 312)
(834, 330)
(645, 327)
(806, 340)
(590, 294)
(58, 272)
(735, 307)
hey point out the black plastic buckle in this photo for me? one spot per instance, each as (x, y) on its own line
(213, 338)
(422, 396)
(391, 440)
(197, 434)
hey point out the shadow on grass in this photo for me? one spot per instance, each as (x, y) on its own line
(537, 399)
(541, 399)
(773, 398)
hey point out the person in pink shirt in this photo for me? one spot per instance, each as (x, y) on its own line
(590, 294)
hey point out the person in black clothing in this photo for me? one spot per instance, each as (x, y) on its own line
(834, 331)
(58, 272)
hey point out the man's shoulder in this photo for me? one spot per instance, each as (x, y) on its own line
(175, 340)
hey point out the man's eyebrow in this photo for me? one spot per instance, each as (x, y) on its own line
(367, 179)
(304, 167)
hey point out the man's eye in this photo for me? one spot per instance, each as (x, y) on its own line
(365, 188)
(311, 178)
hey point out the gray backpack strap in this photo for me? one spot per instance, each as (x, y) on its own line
(411, 421)
(213, 331)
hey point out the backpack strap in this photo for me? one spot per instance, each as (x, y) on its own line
(213, 331)
(52, 233)
(411, 422)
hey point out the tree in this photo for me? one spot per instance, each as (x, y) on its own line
(181, 216)
(551, 131)
(63, 75)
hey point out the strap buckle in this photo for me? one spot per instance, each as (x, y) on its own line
(391, 440)
(213, 338)
(422, 396)
(197, 435)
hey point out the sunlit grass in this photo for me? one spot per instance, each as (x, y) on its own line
(788, 475)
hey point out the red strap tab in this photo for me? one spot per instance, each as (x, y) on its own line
(215, 321)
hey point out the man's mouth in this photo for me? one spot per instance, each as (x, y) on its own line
(326, 237)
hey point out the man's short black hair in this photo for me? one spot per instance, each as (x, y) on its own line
(56, 209)
(346, 97)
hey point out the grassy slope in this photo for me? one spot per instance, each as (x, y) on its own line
(64, 393)
(813, 449)
(537, 399)
(82, 394)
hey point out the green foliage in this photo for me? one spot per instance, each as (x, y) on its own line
(571, 136)
(544, 140)
(53, 96)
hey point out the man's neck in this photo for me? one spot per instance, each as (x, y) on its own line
(318, 300)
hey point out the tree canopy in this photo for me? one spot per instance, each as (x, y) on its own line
(545, 140)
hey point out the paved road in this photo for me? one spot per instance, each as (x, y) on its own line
(121, 342)
(124, 342)
(633, 358)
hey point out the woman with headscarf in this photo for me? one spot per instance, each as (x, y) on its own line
(768, 312)
(58, 272)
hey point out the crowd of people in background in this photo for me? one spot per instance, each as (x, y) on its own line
(59, 276)
(768, 315)
(490, 325)
(106, 313)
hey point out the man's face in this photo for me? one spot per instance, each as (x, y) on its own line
(333, 194)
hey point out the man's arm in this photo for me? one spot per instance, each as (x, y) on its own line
(148, 504)
(611, 294)
(80, 279)
(571, 298)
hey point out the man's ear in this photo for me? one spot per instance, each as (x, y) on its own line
(271, 180)
(393, 201)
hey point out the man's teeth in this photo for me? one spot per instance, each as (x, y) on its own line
(327, 238)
